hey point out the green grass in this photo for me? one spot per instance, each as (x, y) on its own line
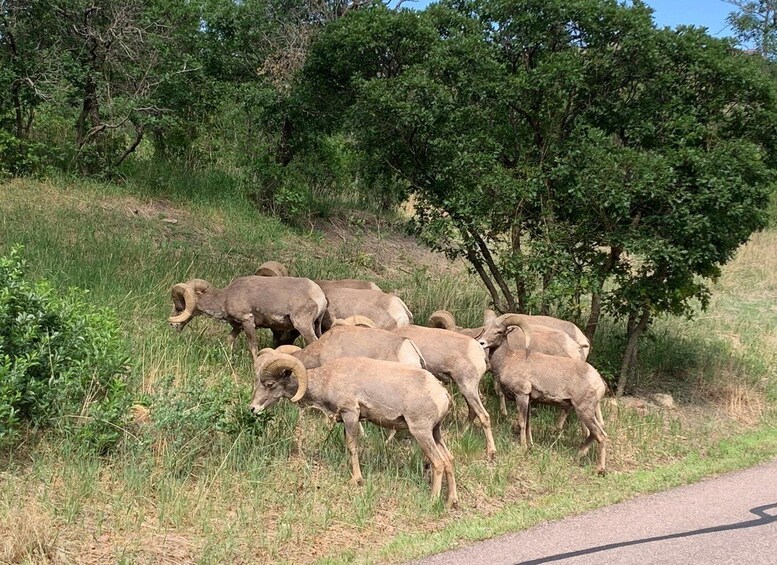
(203, 482)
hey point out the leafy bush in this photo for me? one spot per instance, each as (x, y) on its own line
(18, 156)
(196, 419)
(63, 361)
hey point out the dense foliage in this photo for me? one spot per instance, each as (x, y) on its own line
(565, 148)
(63, 362)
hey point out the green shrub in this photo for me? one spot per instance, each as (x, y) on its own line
(63, 362)
(19, 156)
(195, 419)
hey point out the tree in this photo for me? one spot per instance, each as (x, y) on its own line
(755, 23)
(561, 145)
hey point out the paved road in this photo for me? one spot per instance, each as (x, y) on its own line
(728, 519)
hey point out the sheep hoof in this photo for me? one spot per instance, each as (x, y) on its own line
(356, 482)
(452, 504)
(601, 472)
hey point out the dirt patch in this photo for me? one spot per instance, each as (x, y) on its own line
(383, 249)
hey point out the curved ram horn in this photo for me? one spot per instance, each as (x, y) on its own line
(272, 269)
(199, 285)
(283, 362)
(287, 349)
(355, 320)
(442, 319)
(516, 320)
(189, 300)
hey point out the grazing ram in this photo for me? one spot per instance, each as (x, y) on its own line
(578, 337)
(351, 389)
(345, 340)
(387, 311)
(544, 339)
(451, 356)
(253, 302)
(549, 379)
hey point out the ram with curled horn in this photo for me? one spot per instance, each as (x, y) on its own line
(552, 336)
(348, 340)
(282, 305)
(350, 389)
(387, 311)
(451, 356)
(572, 384)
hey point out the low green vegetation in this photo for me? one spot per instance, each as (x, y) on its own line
(194, 477)
(62, 361)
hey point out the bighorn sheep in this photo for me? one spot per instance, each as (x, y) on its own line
(253, 302)
(444, 320)
(451, 356)
(350, 389)
(387, 311)
(275, 269)
(356, 341)
(544, 339)
(549, 379)
(583, 345)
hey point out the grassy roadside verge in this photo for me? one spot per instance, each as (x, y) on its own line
(199, 483)
(735, 453)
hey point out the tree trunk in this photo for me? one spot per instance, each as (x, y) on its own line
(544, 310)
(17, 106)
(285, 154)
(90, 112)
(494, 270)
(596, 295)
(127, 152)
(475, 261)
(520, 282)
(596, 312)
(634, 331)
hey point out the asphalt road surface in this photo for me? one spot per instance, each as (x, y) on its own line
(728, 519)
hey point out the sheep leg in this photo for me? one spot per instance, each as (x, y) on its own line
(305, 325)
(470, 392)
(588, 417)
(351, 422)
(453, 496)
(250, 331)
(236, 329)
(562, 418)
(472, 416)
(425, 439)
(500, 394)
(522, 417)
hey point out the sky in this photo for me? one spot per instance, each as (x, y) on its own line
(708, 13)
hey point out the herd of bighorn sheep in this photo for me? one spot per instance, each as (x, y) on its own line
(364, 359)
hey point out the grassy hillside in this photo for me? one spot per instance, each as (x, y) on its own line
(201, 481)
